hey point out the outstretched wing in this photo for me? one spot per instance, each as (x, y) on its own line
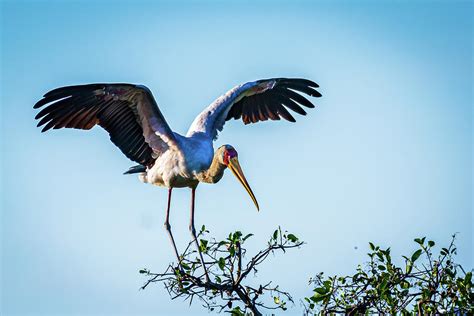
(127, 112)
(256, 101)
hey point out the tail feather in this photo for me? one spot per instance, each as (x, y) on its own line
(136, 169)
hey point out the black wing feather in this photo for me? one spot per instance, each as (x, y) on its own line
(273, 103)
(83, 107)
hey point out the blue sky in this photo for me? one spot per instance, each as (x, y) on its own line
(386, 156)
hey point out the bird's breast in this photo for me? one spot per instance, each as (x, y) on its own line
(180, 168)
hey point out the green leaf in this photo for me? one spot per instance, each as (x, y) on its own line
(318, 297)
(383, 285)
(387, 254)
(431, 243)
(372, 246)
(237, 312)
(380, 256)
(276, 299)
(321, 290)
(420, 240)
(327, 284)
(405, 285)
(143, 271)
(236, 236)
(275, 234)
(416, 255)
(292, 238)
(203, 245)
(221, 263)
(467, 278)
(247, 236)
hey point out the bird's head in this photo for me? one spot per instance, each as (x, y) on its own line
(229, 158)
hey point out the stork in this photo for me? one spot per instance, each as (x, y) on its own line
(130, 114)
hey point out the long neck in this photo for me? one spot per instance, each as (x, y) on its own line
(215, 171)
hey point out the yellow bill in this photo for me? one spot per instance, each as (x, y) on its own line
(234, 166)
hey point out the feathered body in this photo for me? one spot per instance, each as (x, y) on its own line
(192, 164)
(184, 168)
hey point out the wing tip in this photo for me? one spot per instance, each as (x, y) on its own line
(302, 86)
(40, 103)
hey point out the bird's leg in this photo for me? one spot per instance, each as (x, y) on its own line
(193, 232)
(168, 226)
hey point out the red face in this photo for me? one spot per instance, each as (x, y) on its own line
(229, 153)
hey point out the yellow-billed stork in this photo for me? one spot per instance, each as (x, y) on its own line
(130, 114)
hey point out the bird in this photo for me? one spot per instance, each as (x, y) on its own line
(165, 158)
